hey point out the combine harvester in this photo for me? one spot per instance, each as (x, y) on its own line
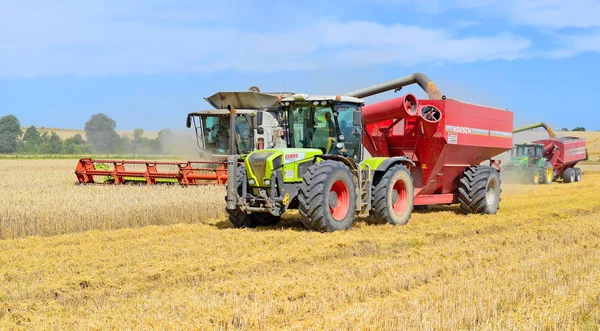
(345, 159)
(546, 160)
(256, 127)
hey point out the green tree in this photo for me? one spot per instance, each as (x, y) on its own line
(579, 128)
(101, 134)
(52, 144)
(137, 134)
(10, 130)
(76, 145)
(564, 129)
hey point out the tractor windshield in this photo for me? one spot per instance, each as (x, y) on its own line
(323, 127)
(215, 137)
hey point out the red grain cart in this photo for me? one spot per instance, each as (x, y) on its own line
(563, 154)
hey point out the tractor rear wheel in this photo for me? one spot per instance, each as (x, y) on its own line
(393, 197)
(547, 173)
(327, 197)
(578, 174)
(479, 190)
(569, 175)
(237, 217)
(532, 175)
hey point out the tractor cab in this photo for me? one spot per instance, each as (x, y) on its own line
(533, 152)
(331, 124)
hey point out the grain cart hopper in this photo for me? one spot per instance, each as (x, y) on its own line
(345, 159)
(546, 160)
(257, 127)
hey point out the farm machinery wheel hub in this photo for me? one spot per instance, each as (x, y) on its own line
(490, 194)
(339, 200)
(399, 197)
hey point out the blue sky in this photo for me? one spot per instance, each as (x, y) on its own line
(147, 63)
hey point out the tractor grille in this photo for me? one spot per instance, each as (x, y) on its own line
(258, 164)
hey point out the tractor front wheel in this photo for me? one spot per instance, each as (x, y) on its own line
(532, 176)
(547, 173)
(393, 197)
(327, 197)
(479, 190)
(237, 217)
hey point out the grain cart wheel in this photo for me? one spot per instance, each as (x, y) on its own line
(237, 217)
(569, 175)
(547, 173)
(578, 174)
(393, 197)
(327, 197)
(479, 190)
(532, 176)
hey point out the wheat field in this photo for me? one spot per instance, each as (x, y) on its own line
(136, 257)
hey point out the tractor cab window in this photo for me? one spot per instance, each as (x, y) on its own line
(216, 134)
(323, 127)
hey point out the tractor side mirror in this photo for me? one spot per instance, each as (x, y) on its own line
(188, 121)
(357, 118)
(259, 118)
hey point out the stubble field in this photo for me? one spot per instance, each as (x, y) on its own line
(136, 257)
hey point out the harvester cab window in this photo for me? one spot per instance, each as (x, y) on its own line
(216, 134)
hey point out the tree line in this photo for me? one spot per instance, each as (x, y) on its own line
(100, 134)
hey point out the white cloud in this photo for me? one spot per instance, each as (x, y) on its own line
(79, 38)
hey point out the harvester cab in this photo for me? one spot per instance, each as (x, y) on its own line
(344, 159)
(254, 129)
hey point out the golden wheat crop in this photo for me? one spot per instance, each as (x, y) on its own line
(534, 265)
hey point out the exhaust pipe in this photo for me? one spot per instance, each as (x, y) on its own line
(231, 163)
(421, 79)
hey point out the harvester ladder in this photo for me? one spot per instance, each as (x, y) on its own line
(411, 139)
(364, 189)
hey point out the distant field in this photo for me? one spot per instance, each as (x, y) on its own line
(67, 133)
(534, 265)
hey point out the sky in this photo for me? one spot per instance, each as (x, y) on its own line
(147, 63)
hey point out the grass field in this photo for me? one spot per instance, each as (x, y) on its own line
(534, 265)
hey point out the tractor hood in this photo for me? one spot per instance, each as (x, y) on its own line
(517, 160)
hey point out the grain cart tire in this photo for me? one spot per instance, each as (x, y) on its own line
(479, 190)
(569, 175)
(264, 219)
(578, 174)
(393, 197)
(532, 176)
(237, 217)
(327, 197)
(547, 174)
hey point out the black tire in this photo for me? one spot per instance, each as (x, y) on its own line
(578, 174)
(317, 201)
(547, 174)
(479, 190)
(396, 184)
(569, 175)
(532, 175)
(237, 217)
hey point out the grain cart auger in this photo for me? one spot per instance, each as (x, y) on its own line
(345, 159)
(256, 127)
(546, 160)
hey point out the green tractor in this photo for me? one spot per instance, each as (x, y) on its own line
(324, 172)
(529, 165)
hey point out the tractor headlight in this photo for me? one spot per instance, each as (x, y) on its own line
(267, 182)
(251, 182)
(339, 145)
(323, 103)
(315, 103)
(271, 144)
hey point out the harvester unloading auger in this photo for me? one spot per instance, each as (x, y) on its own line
(345, 159)
(256, 127)
(546, 160)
